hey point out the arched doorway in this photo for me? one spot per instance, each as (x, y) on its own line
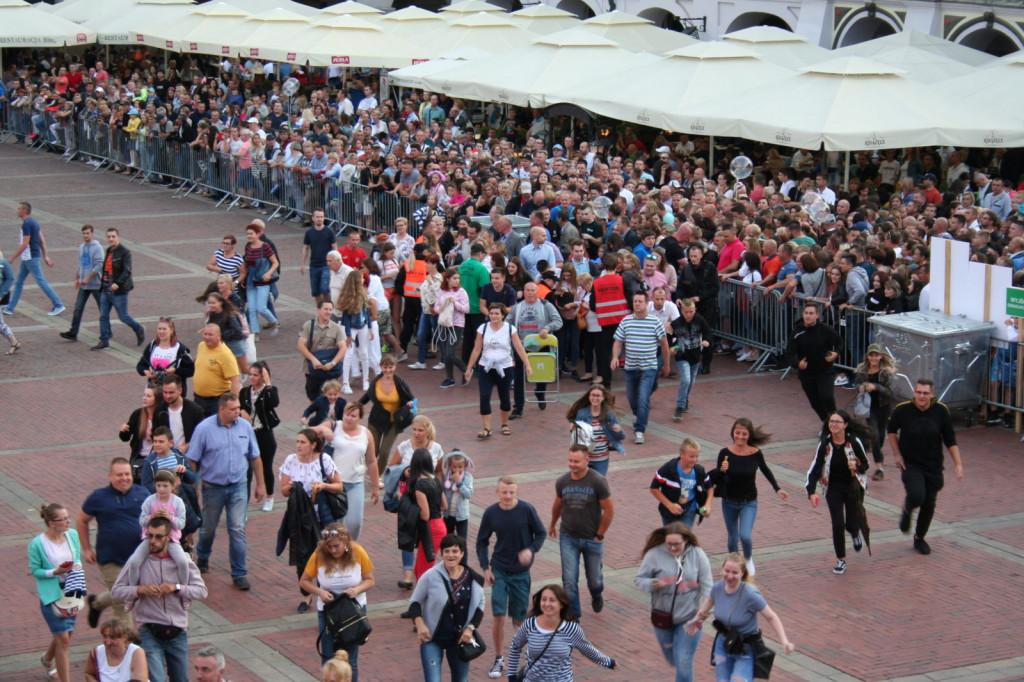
(866, 28)
(748, 19)
(990, 40)
(577, 7)
(662, 18)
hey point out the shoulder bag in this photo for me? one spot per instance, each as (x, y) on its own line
(520, 675)
(336, 502)
(345, 622)
(663, 619)
(324, 355)
(476, 646)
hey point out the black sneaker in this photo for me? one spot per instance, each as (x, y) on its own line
(203, 565)
(447, 383)
(840, 567)
(905, 522)
(495, 671)
(241, 584)
(858, 542)
(100, 346)
(921, 546)
(69, 336)
(994, 419)
(678, 416)
(542, 406)
(515, 414)
(879, 475)
(140, 337)
(597, 603)
(94, 613)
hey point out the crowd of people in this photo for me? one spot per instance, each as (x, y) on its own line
(633, 253)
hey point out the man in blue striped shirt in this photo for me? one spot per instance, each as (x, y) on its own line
(641, 335)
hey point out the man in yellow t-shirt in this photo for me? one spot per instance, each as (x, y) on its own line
(216, 371)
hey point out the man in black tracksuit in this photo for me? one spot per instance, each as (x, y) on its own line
(811, 350)
(699, 282)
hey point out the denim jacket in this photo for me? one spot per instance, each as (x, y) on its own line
(615, 438)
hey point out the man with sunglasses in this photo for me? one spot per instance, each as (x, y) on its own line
(154, 585)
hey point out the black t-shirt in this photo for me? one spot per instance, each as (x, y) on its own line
(581, 503)
(738, 484)
(432, 489)
(319, 243)
(506, 296)
(922, 433)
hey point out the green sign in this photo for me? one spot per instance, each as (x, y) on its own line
(1015, 302)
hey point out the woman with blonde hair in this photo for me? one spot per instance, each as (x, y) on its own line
(357, 316)
(337, 669)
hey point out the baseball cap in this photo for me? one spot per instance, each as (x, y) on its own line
(558, 146)
(477, 248)
(930, 176)
(663, 149)
(252, 119)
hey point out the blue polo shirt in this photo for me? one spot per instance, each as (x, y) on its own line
(223, 451)
(118, 531)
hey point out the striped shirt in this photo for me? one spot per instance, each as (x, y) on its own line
(556, 663)
(641, 338)
(229, 265)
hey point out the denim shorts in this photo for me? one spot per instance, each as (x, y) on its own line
(237, 347)
(510, 594)
(57, 624)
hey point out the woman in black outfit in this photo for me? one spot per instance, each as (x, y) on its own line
(138, 430)
(874, 376)
(838, 463)
(259, 401)
(733, 481)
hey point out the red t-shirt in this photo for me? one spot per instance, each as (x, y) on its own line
(730, 252)
(352, 257)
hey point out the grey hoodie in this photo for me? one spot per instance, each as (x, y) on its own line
(694, 587)
(458, 496)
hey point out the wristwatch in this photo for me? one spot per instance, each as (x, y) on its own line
(470, 627)
(599, 537)
(177, 588)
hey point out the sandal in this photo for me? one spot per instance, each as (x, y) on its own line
(484, 435)
(14, 349)
(49, 666)
(505, 430)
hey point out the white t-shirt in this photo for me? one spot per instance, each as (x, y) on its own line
(162, 358)
(58, 554)
(350, 454)
(405, 449)
(497, 345)
(668, 312)
(177, 428)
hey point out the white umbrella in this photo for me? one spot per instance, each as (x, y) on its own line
(529, 73)
(635, 33)
(922, 64)
(247, 37)
(909, 38)
(851, 104)
(412, 76)
(168, 34)
(544, 19)
(780, 46)
(411, 23)
(489, 31)
(696, 74)
(119, 28)
(451, 12)
(351, 7)
(24, 25)
(258, 6)
(82, 11)
(352, 41)
(996, 86)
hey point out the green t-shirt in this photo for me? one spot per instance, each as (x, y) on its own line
(474, 276)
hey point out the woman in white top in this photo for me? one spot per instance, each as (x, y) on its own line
(117, 659)
(495, 342)
(354, 455)
(338, 566)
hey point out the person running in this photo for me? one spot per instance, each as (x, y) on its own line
(596, 408)
(918, 429)
(733, 481)
(681, 487)
(839, 462)
(811, 350)
(640, 336)
(874, 376)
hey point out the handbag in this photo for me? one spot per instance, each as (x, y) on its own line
(583, 435)
(476, 646)
(336, 502)
(581, 316)
(862, 406)
(520, 675)
(324, 355)
(164, 633)
(345, 622)
(764, 658)
(663, 619)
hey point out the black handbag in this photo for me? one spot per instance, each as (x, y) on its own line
(345, 622)
(764, 658)
(336, 502)
(476, 646)
(520, 675)
(164, 633)
(324, 355)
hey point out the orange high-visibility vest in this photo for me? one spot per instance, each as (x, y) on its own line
(609, 300)
(414, 278)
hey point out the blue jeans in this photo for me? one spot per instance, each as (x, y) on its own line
(592, 551)
(327, 648)
(739, 524)
(118, 302)
(431, 655)
(678, 649)
(258, 299)
(320, 280)
(688, 516)
(33, 267)
(733, 667)
(354, 517)
(80, 302)
(639, 386)
(167, 659)
(600, 466)
(425, 331)
(687, 378)
(215, 499)
(408, 560)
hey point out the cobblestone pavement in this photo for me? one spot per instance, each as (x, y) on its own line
(954, 615)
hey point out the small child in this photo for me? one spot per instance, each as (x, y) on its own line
(329, 406)
(457, 471)
(168, 505)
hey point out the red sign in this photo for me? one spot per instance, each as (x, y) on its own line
(419, 61)
(224, 49)
(291, 56)
(193, 47)
(170, 44)
(138, 37)
(81, 38)
(339, 60)
(254, 52)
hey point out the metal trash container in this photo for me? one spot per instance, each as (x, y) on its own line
(949, 349)
(520, 224)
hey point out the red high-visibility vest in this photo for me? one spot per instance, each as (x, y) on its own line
(609, 300)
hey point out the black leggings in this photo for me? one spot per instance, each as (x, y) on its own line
(922, 491)
(490, 379)
(840, 503)
(878, 421)
(410, 320)
(268, 448)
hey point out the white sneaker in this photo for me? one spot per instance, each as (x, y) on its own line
(744, 356)
(638, 437)
(268, 504)
(841, 380)
(346, 389)
(439, 365)
(499, 664)
(750, 566)
(366, 385)
(416, 365)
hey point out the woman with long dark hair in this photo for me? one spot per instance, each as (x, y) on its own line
(431, 501)
(596, 408)
(874, 376)
(233, 332)
(259, 401)
(138, 430)
(838, 464)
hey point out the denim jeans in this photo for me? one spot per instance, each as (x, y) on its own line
(639, 386)
(425, 331)
(320, 280)
(678, 649)
(592, 551)
(408, 560)
(80, 302)
(354, 517)
(167, 659)
(739, 524)
(32, 266)
(688, 516)
(600, 466)
(733, 667)
(327, 647)
(215, 499)
(687, 378)
(431, 655)
(118, 302)
(258, 299)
